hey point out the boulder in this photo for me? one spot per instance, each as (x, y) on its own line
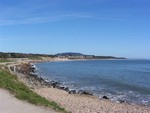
(121, 101)
(66, 89)
(48, 84)
(84, 92)
(55, 84)
(105, 97)
(72, 92)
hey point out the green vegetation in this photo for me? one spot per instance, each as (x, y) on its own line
(70, 55)
(23, 55)
(4, 55)
(2, 61)
(22, 92)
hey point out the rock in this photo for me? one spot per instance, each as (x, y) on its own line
(66, 89)
(48, 84)
(41, 79)
(46, 80)
(84, 92)
(33, 74)
(72, 92)
(121, 101)
(105, 97)
(12, 68)
(33, 70)
(55, 84)
(62, 87)
(58, 86)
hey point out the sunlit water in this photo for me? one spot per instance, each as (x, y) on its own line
(127, 80)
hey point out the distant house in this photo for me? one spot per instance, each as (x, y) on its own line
(74, 56)
(89, 56)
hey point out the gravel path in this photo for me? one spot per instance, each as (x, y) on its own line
(9, 104)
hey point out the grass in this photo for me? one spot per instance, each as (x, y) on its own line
(3, 61)
(22, 92)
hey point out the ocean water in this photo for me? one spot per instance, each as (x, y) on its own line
(127, 80)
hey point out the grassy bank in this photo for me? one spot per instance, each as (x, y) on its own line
(2, 61)
(22, 92)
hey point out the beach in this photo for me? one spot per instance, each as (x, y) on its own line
(77, 103)
(88, 104)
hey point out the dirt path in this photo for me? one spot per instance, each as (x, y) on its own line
(9, 104)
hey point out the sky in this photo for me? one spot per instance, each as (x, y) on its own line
(98, 27)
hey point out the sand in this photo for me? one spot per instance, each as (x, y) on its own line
(88, 104)
(9, 104)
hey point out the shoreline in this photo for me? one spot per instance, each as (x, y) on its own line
(62, 96)
(87, 103)
(100, 95)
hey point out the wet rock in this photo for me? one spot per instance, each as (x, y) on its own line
(46, 80)
(66, 89)
(72, 92)
(121, 101)
(84, 92)
(41, 79)
(33, 74)
(55, 84)
(105, 97)
(62, 87)
(33, 70)
(48, 84)
(58, 87)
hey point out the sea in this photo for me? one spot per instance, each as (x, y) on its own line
(127, 80)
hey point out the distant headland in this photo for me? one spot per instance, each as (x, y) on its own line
(73, 55)
(67, 55)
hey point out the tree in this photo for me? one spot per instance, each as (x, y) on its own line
(4, 55)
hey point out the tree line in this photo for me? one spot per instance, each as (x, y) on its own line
(22, 55)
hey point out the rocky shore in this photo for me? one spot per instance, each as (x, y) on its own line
(28, 74)
(76, 101)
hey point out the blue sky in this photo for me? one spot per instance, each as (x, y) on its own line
(99, 27)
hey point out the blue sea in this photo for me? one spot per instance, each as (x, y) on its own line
(127, 80)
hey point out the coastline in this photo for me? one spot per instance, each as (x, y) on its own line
(87, 103)
(77, 103)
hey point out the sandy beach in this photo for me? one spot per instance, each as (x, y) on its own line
(88, 104)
